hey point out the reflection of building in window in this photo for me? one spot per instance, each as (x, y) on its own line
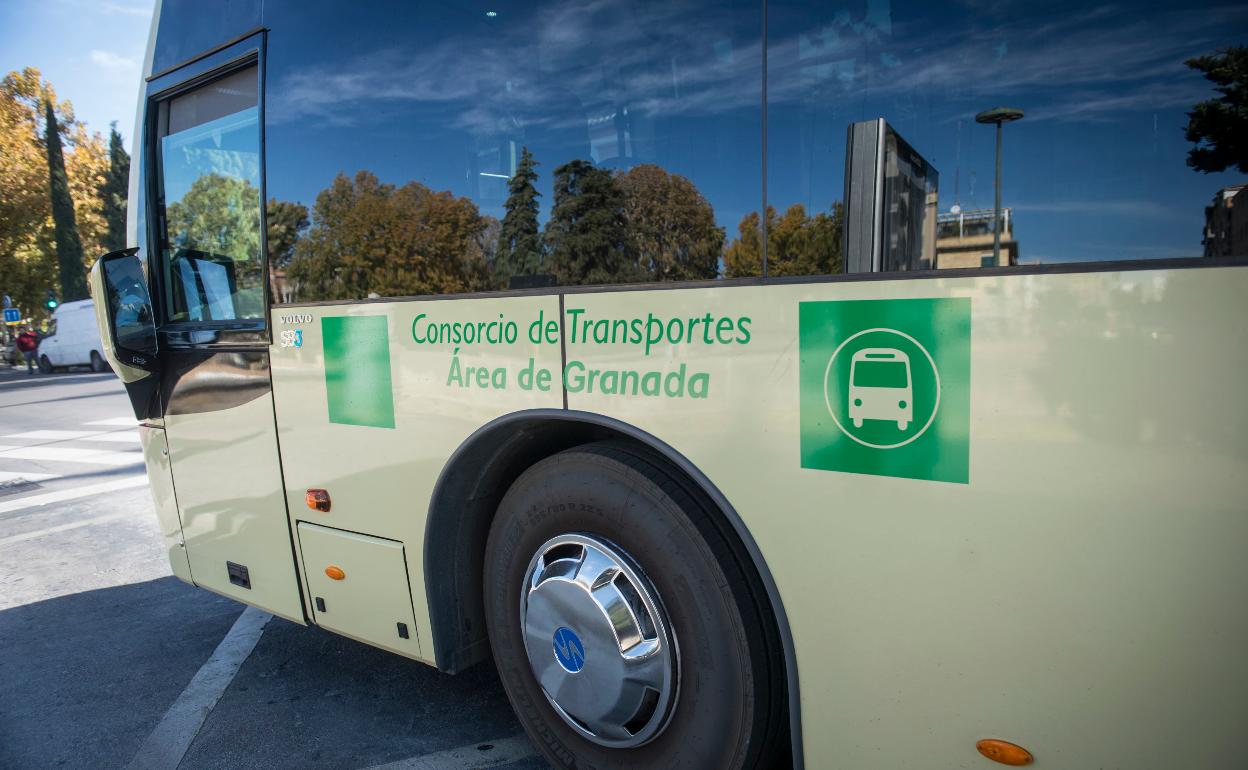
(1226, 223)
(891, 194)
(965, 239)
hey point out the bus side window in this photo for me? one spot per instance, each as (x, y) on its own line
(209, 162)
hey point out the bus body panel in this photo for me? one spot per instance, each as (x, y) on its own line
(160, 477)
(925, 614)
(223, 450)
(1072, 596)
(380, 479)
(1081, 593)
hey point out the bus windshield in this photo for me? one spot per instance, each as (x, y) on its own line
(880, 374)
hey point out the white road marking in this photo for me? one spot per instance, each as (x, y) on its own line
(63, 528)
(118, 436)
(502, 752)
(167, 744)
(51, 435)
(69, 455)
(22, 476)
(62, 495)
(116, 422)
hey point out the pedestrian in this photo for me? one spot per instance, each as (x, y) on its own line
(28, 343)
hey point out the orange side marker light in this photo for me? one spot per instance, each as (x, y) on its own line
(1004, 752)
(335, 573)
(317, 500)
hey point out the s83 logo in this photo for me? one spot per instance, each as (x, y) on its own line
(292, 338)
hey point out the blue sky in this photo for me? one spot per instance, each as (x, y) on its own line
(91, 52)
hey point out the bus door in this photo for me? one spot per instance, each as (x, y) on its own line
(208, 275)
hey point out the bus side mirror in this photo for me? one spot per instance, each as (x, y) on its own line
(123, 307)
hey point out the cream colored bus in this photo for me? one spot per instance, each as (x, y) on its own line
(527, 332)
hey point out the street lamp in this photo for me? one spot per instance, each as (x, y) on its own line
(999, 116)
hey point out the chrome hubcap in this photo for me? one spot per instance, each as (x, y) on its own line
(598, 641)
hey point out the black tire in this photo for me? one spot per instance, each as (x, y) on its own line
(98, 364)
(730, 708)
(45, 365)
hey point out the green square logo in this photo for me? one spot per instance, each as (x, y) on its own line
(357, 370)
(886, 387)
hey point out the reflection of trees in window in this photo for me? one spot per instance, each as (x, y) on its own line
(586, 233)
(672, 233)
(219, 215)
(797, 244)
(284, 221)
(372, 237)
(519, 243)
(1219, 127)
(644, 224)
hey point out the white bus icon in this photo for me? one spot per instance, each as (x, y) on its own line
(880, 387)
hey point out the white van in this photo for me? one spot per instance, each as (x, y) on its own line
(73, 339)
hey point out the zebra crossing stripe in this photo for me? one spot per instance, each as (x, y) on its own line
(69, 455)
(6, 476)
(116, 422)
(118, 437)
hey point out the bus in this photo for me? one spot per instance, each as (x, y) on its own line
(526, 332)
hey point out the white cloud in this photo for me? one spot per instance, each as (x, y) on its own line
(120, 9)
(114, 62)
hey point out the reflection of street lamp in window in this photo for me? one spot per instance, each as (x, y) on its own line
(998, 115)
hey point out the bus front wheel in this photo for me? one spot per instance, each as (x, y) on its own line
(622, 622)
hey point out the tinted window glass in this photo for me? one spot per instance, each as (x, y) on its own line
(421, 148)
(188, 28)
(209, 160)
(1095, 162)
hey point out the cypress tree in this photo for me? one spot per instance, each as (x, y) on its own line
(113, 191)
(68, 244)
(519, 245)
(587, 231)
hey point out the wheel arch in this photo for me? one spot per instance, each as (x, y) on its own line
(467, 494)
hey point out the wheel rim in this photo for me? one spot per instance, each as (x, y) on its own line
(598, 641)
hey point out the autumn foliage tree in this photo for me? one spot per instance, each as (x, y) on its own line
(797, 244)
(671, 230)
(28, 251)
(284, 223)
(367, 236)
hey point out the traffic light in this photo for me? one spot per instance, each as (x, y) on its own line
(51, 301)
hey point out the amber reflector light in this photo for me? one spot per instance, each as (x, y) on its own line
(335, 573)
(318, 500)
(1004, 752)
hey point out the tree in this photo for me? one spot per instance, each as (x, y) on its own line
(671, 230)
(26, 269)
(284, 223)
(797, 244)
(28, 255)
(519, 243)
(1219, 127)
(68, 245)
(114, 190)
(586, 234)
(219, 215)
(396, 241)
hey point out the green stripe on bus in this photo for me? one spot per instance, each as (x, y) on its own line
(357, 370)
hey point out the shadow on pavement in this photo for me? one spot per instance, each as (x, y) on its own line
(307, 698)
(84, 678)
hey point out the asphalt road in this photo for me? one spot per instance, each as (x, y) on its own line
(106, 660)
